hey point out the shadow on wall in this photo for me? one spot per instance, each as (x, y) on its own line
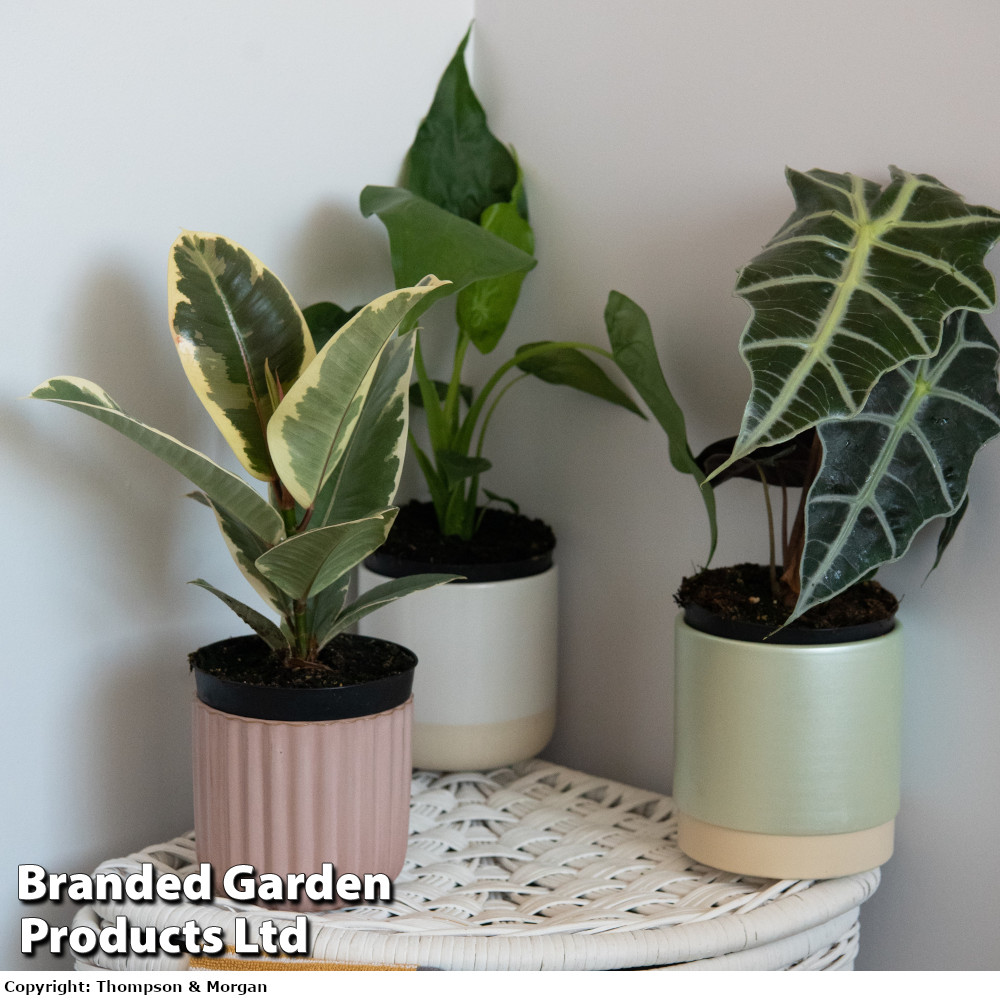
(340, 256)
(110, 707)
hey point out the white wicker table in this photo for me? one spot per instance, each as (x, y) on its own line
(542, 867)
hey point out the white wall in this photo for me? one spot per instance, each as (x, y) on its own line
(654, 136)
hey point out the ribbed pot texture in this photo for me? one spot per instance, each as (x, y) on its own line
(286, 797)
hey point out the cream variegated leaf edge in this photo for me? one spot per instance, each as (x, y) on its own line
(306, 564)
(226, 490)
(367, 475)
(246, 547)
(311, 428)
(902, 462)
(833, 294)
(236, 328)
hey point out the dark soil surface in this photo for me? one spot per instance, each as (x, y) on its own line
(349, 659)
(503, 537)
(743, 594)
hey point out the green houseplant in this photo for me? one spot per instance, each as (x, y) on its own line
(873, 387)
(322, 421)
(486, 693)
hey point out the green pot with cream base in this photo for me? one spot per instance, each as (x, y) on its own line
(787, 757)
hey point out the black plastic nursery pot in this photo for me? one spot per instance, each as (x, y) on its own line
(485, 694)
(288, 779)
(300, 704)
(787, 753)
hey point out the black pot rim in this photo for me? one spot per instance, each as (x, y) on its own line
(703, 620)
(329, 704)
(395, 567)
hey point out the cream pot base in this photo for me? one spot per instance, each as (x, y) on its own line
(775, 856)
(485, 693)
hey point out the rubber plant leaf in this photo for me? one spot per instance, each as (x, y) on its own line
(856, 283)
(484, 308)
(324, 319)
(312, 427)
(264, 627)
(426, 239)
(245, 546)
(635, 354)
(231, 318)
(561, 365)
(326, 606)
(455, 161)
(377, 597)
(311, 561)
(903, 461)
(226, 490)
(367, 476)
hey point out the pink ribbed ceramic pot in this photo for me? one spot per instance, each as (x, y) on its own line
(287, 796)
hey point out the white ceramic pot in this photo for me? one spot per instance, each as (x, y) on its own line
(485, 694)
(787, 757)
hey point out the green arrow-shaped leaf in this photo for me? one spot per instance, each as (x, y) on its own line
(559, 364)
(425, 239)
(484, 308)
(857, 282)
(900, 463)
(635, 354)
(455, 161)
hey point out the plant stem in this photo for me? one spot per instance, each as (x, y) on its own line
(770, 532)
(472, 417)
(792, 555)
(454, 393)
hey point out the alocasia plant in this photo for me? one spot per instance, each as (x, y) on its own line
(463, 201)
(873, 377)
(321, 420)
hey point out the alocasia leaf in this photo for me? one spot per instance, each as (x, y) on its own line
(231, 319)
(455, 161)
(856, 283)
(903, 461)
(782, 464)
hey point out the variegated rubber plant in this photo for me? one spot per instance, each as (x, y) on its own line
(322, 421)
(874, 378)
(463, 200)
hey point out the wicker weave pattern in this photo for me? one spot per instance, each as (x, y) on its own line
(540, 866)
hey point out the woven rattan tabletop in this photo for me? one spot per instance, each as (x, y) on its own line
(540, 866)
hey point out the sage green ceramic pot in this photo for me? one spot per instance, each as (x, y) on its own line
(787, 757)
